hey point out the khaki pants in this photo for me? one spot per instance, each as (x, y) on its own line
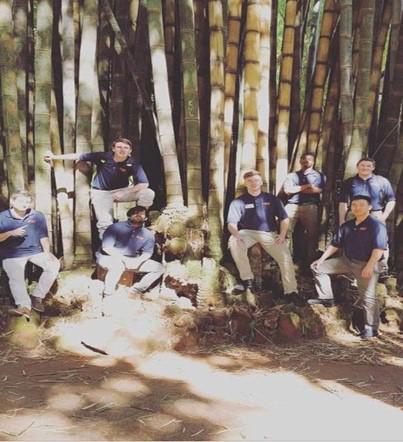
(116, 267)
(279, 252)
(102, 200)
(307, 215)
(15, 269)
(366, 286)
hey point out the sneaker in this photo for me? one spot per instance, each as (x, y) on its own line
(20, 311)
(295, 298)
(368, 333)
(37, 304)
(324, 302)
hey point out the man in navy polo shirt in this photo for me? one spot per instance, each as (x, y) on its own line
(362, 240)
(303, 189)
(23, 238)
(112, 180)
(129, 245)
(252, 219)
(376, 187)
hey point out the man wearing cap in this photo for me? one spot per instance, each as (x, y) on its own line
(111, 182)
(129, 245)
(252, 219)
(303, 189)
(23, 238)
(362, 241)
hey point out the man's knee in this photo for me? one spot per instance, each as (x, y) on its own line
(109, 263)
(145, 197)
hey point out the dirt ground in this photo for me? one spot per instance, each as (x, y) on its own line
(311, 390)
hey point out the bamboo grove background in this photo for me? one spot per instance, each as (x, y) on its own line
(205, 89)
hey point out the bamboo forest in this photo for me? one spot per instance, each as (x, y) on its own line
(205, 89)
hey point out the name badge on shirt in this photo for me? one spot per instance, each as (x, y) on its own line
(249, 206)
(362, 228)
(139, 237)
(266, 204)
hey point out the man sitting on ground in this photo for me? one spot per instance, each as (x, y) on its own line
(129, 245)
(363, 240)
(23, 238)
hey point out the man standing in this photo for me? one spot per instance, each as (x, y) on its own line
(129, 245)
(303, 189)
(363, 240)
(376, 187)
(112, 180)
(23, 238)
(252, 219)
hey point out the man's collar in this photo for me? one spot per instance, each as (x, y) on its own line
(14, 215)
(365, 179)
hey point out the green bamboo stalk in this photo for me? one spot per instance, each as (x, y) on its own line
(9, 101)
(191, 108)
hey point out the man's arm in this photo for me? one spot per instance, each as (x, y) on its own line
(45, 243)
(284, 223)
(66, 156)
(331, 250)
(390, 205)
(290, 187)
(368, 270)
(16, 232)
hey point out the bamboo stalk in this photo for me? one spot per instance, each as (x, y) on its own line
(9, 100)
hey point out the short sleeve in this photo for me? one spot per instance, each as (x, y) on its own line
(389, 193)
(235, 212)
(345, 191)
(149, 245)
(139, 175)
(337, 238)
(380, 240)
(280, 211)
(109, 238)
(291, 180)
(42, 227)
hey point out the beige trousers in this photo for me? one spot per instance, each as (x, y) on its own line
(279, 252)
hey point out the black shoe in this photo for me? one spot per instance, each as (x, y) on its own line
(37, 304)
(295, 298)
(369, 332)
(324, 302)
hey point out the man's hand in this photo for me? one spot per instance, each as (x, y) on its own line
(119, 196)
(367, 271)
(18, 232)
(48, 157)
(240, 240)
(280, 239)
(316, 264)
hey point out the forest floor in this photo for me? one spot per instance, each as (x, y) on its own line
(120, 371)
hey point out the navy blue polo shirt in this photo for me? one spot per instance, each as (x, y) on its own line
(358, 241)
(298, 179)
(256, 212)
(18, 246)
(112, 175)
(377, 187)
(128, 240)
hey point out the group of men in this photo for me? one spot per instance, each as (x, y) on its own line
(360, 241)
(254, 217)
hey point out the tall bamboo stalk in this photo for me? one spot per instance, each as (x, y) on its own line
(9, 101)
(284, 95)
(320, 74)
(379, 48)
(262, 154)
(346, 79)
(360, 125)
(216, 182)
(161, 90)
(231, 73)
(251, 73)
(394, 34)
(20, 21)
(43, 87)
(191, 108)
(86, 94)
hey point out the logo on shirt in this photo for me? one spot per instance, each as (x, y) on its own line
(31, 221)
(140, 237)
(249, 206)
(266, 204)
(362, 228)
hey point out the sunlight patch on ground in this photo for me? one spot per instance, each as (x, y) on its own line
(127, 385)
(280, 405)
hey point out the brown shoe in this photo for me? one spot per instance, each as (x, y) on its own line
(20, 311)
(37, 304)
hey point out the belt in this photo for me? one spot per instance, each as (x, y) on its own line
(305, 204)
